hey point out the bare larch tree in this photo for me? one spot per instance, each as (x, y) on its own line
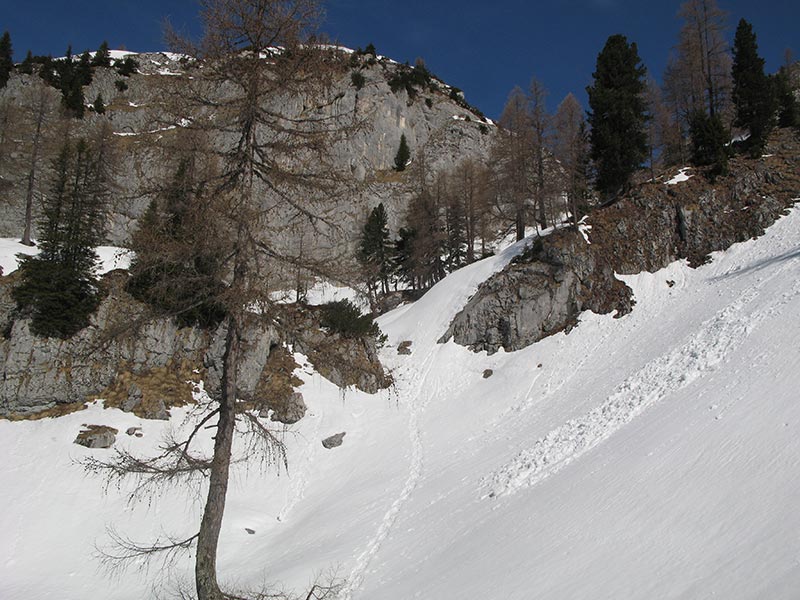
(260, 91)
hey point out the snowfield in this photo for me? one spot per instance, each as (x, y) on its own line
(652, 456)
(111, 257)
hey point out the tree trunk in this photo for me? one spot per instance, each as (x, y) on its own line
(520, 220)
(208, 537)
(26, 234)
(540, 187)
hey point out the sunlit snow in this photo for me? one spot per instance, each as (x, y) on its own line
(652, 456)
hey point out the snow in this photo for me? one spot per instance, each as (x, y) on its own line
(584, 228)
(9, 248)
(682, 176)
(111, 257)
(742, 137)
(652, 456)
(118, 54)
(323, 292)
(181, 123)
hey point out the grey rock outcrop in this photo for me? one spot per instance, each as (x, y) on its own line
(540, 293)
(133, 362)
(145, 365)
(290, 410)
(345, 361)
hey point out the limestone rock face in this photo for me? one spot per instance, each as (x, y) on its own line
(435, 122)
(145, 366)
(344, 361)
(134, 363)
(539, 294)
(290, 410)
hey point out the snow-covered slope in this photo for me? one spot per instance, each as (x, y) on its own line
(652, 456)
(110, 257)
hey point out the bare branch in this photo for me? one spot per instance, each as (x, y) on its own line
(124, 552)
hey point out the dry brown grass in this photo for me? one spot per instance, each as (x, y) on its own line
(171, 384)
(59, 410)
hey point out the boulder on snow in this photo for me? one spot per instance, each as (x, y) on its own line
(334, 441)
(97, 436)
(290, 410)
(404, 347)
(488, 373)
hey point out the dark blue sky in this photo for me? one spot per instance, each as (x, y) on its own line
(485, 48)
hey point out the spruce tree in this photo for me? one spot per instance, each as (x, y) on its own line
(177, 268)
(58, 287)
(618, 115)
(6, 59)
(70, 79)
(83, 71)
(98, 105)
(49, 72)
(788, 105)
(102, 57)
(374, 250)
(27, 65)
(72, 98)
(403, 257)
(403, 155)
(126, 66)
(709, 138)
(752, 89)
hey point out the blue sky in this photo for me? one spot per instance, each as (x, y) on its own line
(485, 48)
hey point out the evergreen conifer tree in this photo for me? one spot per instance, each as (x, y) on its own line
(752, 89)
(709, 138)
(126, 66)
(72, 99)
(6, 59)
(177, 268)
(48, 72)
(404, 257)
(69, 78)
(58, 286)
(618, 115)
(374, 251)
(83, 70)
(26, 66)
(788, 105)
(102, 57)
(98, 105)
(403, 155)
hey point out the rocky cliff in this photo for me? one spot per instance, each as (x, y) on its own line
(545, 290)
(146, 365)
(434, 118)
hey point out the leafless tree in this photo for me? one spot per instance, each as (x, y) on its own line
(38, 106)
(512, 159)
(571, 149)
(470, 188)
(703, 62)
(541, 129)
(261, 91)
